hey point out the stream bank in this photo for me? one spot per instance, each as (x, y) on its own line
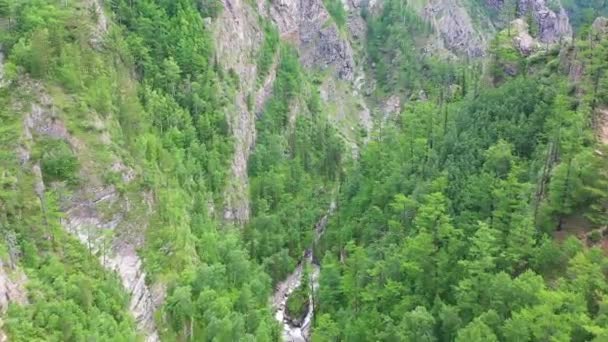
(300, 332)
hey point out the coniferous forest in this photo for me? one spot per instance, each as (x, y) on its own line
(398, 170)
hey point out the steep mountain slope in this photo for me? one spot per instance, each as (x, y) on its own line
(479, 216)
(127, 147)
(394, 170)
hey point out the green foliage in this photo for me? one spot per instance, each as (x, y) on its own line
(58, 162)
(583, 12)
(443, 228)
(268, 50)
(476, 331)
(177, 67)
(290, 170)
(325, 330)
(395, 52)
(297, 303)
(337, 12)
(210, 8)
(173, 125)
(533, 24)
(71, 299)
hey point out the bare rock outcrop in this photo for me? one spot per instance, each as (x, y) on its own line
(84, 211)
(494, 4)
(600, 26)
(522, 39)
(12, 286)
(357, 26)
(308, 25)
(85, 219)
(125, 261)
(99, 30)
(550, 16)
(351, 112)
(553, 22)
(455, 27)
(238, 38)
(12, 290)
(391, 106)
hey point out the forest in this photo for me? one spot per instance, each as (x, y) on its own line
(463, 219)
(476, 212)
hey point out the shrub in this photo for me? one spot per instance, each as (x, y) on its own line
(595, 236)
(337, 12)
(58, 162)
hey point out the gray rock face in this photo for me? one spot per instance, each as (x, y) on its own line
(84, 220)
(356, 24)
(495, 4)
(455, 27)
(308, 25)
(238, 37)
(127, 264)
(552, 19)
(522, 40)
(391, 106)
(101, 22)
(12, 287)
(12, 290)
(553, 23)
(600, 26)
(84, 216)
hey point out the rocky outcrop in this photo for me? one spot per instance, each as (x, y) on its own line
(391, 106)
(107, 235)
(12, 287)
(85, 220)
(600, 27)
(455, 27)
(238, 38)
(522, 39)
(322, 45)
(459, 33)
(12, 290)
(550, 16)
(494, 4)
(357, 26)
(99, 30)
(299, 329)
(308, 25)
(553, 22)
(125, 261)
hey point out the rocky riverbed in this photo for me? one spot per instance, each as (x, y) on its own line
(297, 329)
